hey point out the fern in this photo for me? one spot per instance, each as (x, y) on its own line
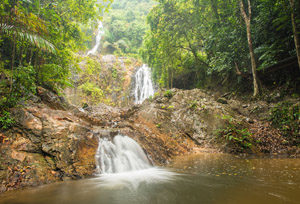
(24, 35)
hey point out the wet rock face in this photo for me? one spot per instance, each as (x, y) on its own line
(54, 141)
(191, 113)
(47, 145)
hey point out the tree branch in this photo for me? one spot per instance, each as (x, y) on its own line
(244, 15)
(249, 9)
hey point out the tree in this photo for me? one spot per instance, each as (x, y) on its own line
(39, 41)
(247, 19)
(20, 27)
(204, 43)
(295, 29)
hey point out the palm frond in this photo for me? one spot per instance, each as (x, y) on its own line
(24, 35)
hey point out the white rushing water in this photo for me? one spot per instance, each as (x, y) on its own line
(143, 84)
(122, 154)
(100, 32)
(123, 163)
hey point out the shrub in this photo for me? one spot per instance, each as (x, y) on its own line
(6, 121)
(193, 105)
(93, 91)
(238, 137)
(168, 94)
(286, 117)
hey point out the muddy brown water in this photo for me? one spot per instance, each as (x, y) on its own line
(202, 178)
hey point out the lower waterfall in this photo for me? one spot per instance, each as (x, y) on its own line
(122, 154)
(121, 162)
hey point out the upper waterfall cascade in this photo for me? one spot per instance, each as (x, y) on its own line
(143, 84)
(122, 154)
(100, 32)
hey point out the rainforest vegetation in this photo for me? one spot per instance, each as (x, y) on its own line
(235, 44)
(193, 43)
(107, 89)
(39, 43)
(125, 26)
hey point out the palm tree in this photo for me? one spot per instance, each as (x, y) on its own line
(18, 26)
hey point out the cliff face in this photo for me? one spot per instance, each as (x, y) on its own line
(54, 141)
(103, 79)
(48, 144)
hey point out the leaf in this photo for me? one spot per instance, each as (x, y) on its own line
(24, 35)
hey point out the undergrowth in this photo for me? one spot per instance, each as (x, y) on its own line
(239, 139)
(286, 117)
(6, 121)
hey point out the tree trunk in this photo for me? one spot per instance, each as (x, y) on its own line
(37, 68)
(21, 57)
(295, 30)
(30, 56)
(12, 63)
(247, 20)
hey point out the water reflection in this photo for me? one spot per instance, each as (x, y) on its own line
(205, 178)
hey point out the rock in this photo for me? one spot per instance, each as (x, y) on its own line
(109, 58)
(245, 106)
(222, 100)
(27, 120)
(53, 141)
(249, 120)
(52, 99)
(48, 144)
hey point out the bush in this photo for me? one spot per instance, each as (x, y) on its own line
(54, 77)
(5, 120)
(238, 137)
(193, 105)
(168, 94)
(23, 86)
(92, 91)
(286, 117)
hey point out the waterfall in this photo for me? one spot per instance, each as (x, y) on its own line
(122, 163)
(100, 32)
(143, 84)
(122, 154)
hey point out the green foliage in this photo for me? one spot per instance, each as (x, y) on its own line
(5, 120)
(38, 44)
(168, 94)
(193, 105)
(114, 73)
(156, 94)
(24, 83)
(24, 35)
(286, 117)
(191, 43)
(125, 26)
(238, 137)
(170, 107)
(54, 77)
(22, 88)
(93, 91)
